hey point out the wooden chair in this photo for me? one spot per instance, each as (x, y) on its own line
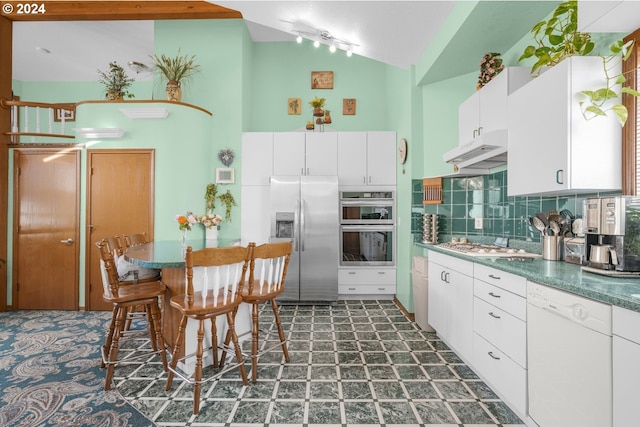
(135, 239)
(267, 273)
(123, 297)
(220, 275)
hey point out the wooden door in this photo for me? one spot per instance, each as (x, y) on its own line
(120, 200)
(46, 229)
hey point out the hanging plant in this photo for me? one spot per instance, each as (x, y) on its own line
(228, 201)
(226, 156)
(210, 197)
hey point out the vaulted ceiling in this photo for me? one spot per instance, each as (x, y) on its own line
(79, 35)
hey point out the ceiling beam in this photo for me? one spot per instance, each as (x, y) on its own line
(122, 10)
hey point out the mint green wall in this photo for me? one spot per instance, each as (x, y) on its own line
(283, 70)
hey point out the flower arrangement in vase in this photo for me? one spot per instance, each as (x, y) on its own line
(184, 223)
(490, 66)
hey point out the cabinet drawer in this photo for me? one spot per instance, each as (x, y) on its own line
(367, 289)
(506, 332)
(367, 276)
(504, 300)
(451, 262)
(501, 373)
(501, 279)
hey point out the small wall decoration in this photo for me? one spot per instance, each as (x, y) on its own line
(226, 156)
(294, 106)
(69, 115)
(322, 80)
(225, 176)
(348, 106)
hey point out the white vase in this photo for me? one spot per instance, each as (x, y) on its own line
(211, 237)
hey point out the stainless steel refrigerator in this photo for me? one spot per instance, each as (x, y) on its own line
(304, 209)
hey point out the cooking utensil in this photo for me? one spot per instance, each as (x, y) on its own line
(555, 227)
(567, 214)
(542, 217)
(539, 225)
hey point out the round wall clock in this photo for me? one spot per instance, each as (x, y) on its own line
(402, 151)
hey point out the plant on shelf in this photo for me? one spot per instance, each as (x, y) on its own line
(490, 66)
(317, 104)
(177, 71)
(559, 38)
(115, 82)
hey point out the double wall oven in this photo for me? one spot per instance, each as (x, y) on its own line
(367, 227)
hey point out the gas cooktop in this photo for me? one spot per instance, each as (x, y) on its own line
(486, 250)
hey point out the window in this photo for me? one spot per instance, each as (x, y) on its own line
(630, 134)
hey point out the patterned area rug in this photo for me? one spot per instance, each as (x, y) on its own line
(50, 372)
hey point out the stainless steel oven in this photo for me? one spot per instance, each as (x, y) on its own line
(367, 245)
(363, 207)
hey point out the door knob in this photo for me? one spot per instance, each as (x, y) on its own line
(67, 241)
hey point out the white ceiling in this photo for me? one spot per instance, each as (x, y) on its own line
(392, 32)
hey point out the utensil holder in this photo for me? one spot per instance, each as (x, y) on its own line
(552, 247)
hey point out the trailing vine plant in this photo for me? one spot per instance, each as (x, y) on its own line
(228, 201)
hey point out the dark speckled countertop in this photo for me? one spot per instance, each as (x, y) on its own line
(623, 292)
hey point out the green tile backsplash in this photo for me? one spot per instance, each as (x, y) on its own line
(485, 197)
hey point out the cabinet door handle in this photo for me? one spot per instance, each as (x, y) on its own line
(494, 295)
(381, 272)
(352, 289)
(493, 315)
(492, 355)
(364, 179)
(442, 276)
(479, 130)
(369, 179)
(559, 174)
(351, 272)
(446, 277)
(494, 277)
(381, 289)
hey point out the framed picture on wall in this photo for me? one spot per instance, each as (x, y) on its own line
(349, 106)
(294, 106)
(69, 115)
(225, 176)
(322, 80)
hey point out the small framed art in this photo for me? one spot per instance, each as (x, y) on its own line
(322, 80)
(294, 106)
(69, 115)
(225, 176)
(349, 106)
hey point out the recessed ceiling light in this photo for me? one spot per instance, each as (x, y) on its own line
(42, 49)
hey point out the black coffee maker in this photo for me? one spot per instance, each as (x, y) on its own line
(612, 233)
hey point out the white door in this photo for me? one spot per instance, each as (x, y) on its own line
(381, 158)
(321, 153)
(352, 158)
(257, 158)
(288, 153)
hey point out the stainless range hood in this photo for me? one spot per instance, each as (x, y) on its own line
(478, 157)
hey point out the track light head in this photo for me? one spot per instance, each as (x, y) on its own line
(316, 43)
(299, 39)
(332, 48)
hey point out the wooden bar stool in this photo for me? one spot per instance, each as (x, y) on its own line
(123, 298)
(220, 275)
(267, 273)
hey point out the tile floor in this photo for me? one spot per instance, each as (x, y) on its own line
(357, 363)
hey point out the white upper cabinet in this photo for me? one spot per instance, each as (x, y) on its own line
(367, 158)
(302, 153)
(553, 149)
(486, 110)
(257, 158)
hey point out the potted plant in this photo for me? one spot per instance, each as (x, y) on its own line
(327, 117)
(317, 104)
(559, 38)
(176, 71)
(115, 82)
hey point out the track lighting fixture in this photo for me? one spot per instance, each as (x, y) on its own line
(304, 31)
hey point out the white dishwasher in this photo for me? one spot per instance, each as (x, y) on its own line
(569, 359)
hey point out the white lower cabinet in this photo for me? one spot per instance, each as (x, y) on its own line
(450, 302)
(626, 369)
(500, 333)
(366, 281)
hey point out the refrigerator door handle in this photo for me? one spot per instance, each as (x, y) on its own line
(303, 230)
(296, 225)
